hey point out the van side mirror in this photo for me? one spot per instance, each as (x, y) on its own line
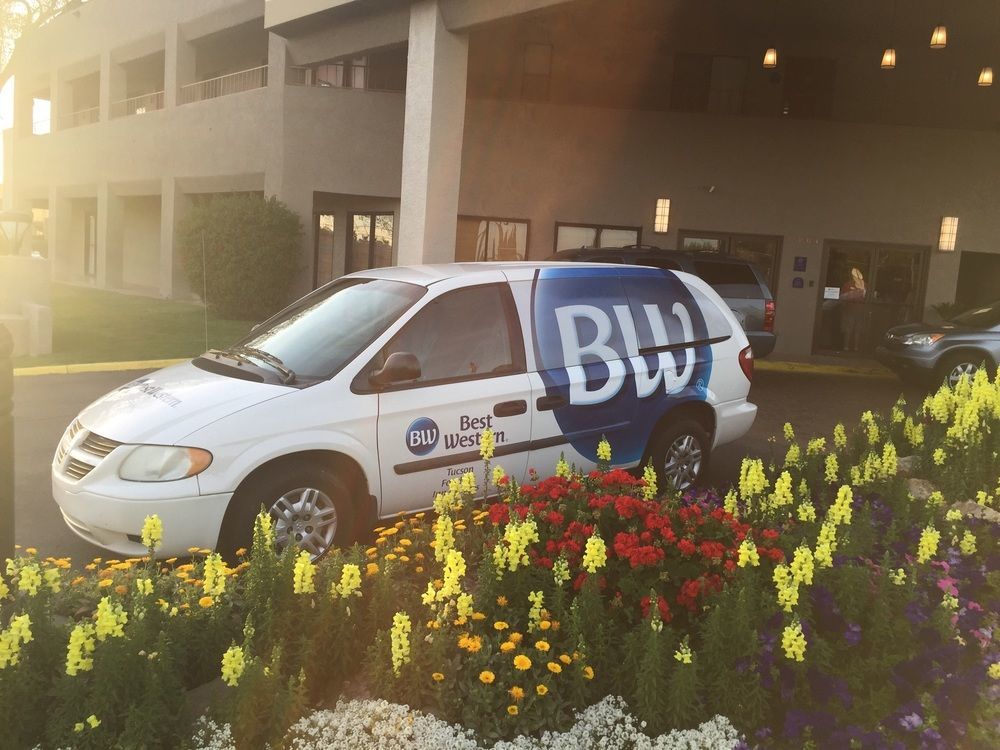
(398, 368)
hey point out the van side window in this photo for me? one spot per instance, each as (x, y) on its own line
(461, 335)
(669, 265)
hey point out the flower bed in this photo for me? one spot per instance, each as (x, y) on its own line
(818, 602)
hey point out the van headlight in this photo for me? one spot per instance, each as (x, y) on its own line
(163, 463)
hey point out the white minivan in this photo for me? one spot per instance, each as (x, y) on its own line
(365, 397)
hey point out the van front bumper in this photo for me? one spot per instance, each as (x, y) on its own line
(116, 524)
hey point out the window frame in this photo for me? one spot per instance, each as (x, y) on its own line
(507, 219)
(599, 228)
(362, 383)
(726, 238)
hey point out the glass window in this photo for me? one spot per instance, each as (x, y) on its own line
(321, 333)
(323, 269)
(760, 250)
(481, 239)
(730, 280)
(657, 262)
(595, 235)
(370, 242)
(462, 334)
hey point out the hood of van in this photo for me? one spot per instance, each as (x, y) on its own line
(165, 406)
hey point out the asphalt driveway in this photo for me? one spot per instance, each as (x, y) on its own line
(45, 404)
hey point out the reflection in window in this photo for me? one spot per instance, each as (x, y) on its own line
(481, 239)
(384, 70)
(570, 236)
(370, 242)
(324, 270)
(763, 251)
(461, 334)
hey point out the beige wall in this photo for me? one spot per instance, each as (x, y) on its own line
(141, 243)
(805, 182)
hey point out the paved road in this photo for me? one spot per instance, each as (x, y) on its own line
(44, 405)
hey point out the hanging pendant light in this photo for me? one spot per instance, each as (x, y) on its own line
(939, 37)
(771, 58)
(889, 58)
(986, 76)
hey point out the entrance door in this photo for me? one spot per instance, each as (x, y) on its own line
(867, 289)
(369, 241)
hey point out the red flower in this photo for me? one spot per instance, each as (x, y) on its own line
(687, 547)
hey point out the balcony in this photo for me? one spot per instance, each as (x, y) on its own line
(137, 105)
(86, 116)
(232, 83)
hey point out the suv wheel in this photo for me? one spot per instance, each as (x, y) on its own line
(680, 454)
(954, 367)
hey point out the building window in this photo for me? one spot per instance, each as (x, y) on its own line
(323, 270)
(384, 70)
(370, 242)
(595, 235)
(763, 251)
(706, 83)
(482, 238)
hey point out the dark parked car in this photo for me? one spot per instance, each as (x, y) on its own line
(931, 353)
(739, 283)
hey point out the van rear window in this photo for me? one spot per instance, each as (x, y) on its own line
(730, 280)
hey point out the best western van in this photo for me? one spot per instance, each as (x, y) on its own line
(364, 398)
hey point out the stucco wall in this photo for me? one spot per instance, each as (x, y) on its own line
(807, 182)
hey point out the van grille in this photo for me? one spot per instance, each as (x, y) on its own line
(77, 469)
(97, 445)
(67, 441)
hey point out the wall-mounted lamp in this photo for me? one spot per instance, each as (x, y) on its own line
(771, 58)
(949, 231)
(661, 220)
(939, 37)
(889, 58)
(986, 76)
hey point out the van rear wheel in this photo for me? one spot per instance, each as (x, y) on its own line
(310, 507)
(680, 454)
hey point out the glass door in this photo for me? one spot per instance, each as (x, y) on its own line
(867, 289)
(370, 241)
(323, 265)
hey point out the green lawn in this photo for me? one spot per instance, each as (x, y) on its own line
(92, 325)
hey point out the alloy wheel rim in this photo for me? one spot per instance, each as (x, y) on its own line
(683, 462)
(307, 518)
(964, 368)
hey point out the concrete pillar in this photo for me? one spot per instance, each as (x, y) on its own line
(112, 85)
(178, 62)
(110, 230)
(8, 168)
(61, 94)
(437, 66)
(174, 205)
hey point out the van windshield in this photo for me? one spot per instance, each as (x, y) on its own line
(323, 331)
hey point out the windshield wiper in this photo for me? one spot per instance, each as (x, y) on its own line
(287, 374)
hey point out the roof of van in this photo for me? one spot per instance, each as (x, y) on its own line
(432, 273)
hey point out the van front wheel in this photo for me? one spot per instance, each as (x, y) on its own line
(680, 454)
(309, 505)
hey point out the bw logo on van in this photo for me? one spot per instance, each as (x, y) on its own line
(422, 436)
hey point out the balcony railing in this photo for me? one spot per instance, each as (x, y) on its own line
(233, 83)
(80, 117)
(137, 105)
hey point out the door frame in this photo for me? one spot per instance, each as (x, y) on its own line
(923, 250)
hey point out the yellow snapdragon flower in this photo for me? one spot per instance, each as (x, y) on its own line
(152, 532)
(595, 554)
(928, 544)
(793, 641)
(487, 444)
(233, 664)
(399, 637)
(303, 574)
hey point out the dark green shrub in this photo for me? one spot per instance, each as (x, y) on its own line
(251, 250)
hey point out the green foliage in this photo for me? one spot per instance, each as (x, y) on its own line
(249, 248)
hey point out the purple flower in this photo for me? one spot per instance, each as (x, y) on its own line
(911, 722)
(853, 635)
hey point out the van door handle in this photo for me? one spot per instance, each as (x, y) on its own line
(510, 408)
(548, 403)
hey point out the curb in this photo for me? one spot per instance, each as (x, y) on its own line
(807, 368)
(800, 368)
(149, 364)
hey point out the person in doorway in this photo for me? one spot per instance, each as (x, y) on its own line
(852, 311)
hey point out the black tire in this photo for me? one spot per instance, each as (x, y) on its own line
(308, 491)
(953, 366)
(688, 446)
